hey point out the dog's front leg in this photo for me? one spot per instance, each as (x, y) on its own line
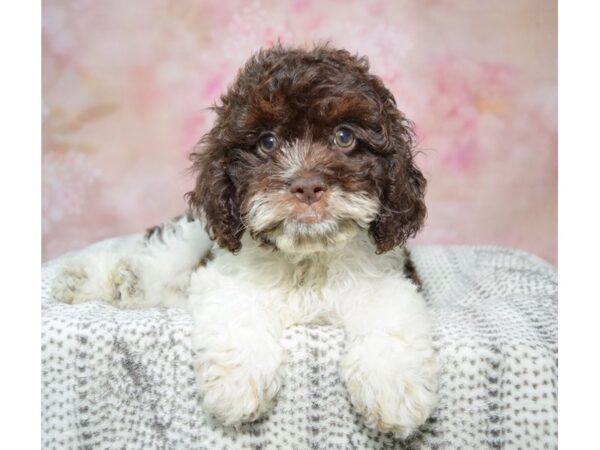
(237, 353)
(389, 368)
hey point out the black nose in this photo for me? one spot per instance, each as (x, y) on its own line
(308, 189)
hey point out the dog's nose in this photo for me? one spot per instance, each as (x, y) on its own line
(308, 189)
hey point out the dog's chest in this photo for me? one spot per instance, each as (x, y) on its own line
(312, 292)
(301, 290)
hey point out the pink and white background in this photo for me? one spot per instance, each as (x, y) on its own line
(126, 85)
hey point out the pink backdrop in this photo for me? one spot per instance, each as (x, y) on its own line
(126, 84)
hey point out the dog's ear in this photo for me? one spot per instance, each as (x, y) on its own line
(402, 190)
(214, 197)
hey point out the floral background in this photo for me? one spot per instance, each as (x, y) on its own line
(126, 85)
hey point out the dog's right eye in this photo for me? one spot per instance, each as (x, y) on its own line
(344, 138)
(268, 142)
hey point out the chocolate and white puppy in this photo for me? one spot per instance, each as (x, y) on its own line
(307, 189)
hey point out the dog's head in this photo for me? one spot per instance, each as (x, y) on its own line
(307, 149)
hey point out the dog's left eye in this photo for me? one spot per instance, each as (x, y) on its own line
(344, 138)
(268, 142)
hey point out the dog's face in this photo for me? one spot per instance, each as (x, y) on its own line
(307, 149)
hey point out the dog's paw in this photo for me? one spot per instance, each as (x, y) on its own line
(125, 285)
(68, 284)
(102, 278)
(238, 385)
(392, 385)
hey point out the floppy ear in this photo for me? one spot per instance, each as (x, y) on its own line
(402, 189)
(214, 196)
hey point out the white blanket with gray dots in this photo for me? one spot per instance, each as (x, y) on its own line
(114, 379)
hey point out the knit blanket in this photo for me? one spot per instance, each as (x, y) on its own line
(117, 379)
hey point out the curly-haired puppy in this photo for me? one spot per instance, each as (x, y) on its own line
(306, 192)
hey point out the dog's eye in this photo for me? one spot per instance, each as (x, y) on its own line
(268, 142)
(344, 138)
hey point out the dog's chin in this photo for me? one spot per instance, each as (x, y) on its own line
(307, 235)
(327, 225)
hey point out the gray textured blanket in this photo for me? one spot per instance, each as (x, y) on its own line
(114, 379)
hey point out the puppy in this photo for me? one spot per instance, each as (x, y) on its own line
(306, 192)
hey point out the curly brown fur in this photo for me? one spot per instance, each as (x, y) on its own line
(155, 233)
(303, 95)
(410, 270)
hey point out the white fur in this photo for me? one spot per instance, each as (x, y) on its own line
(242, 303)
(347, 213)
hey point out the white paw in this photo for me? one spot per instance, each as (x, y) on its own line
(126, 285)
(100, 278)
(238, 382)
(391, 384)
(67, 286)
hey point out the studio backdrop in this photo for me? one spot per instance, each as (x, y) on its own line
(126, 87)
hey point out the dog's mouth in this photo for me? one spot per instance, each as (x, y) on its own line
(299, 227)
(309, 214)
